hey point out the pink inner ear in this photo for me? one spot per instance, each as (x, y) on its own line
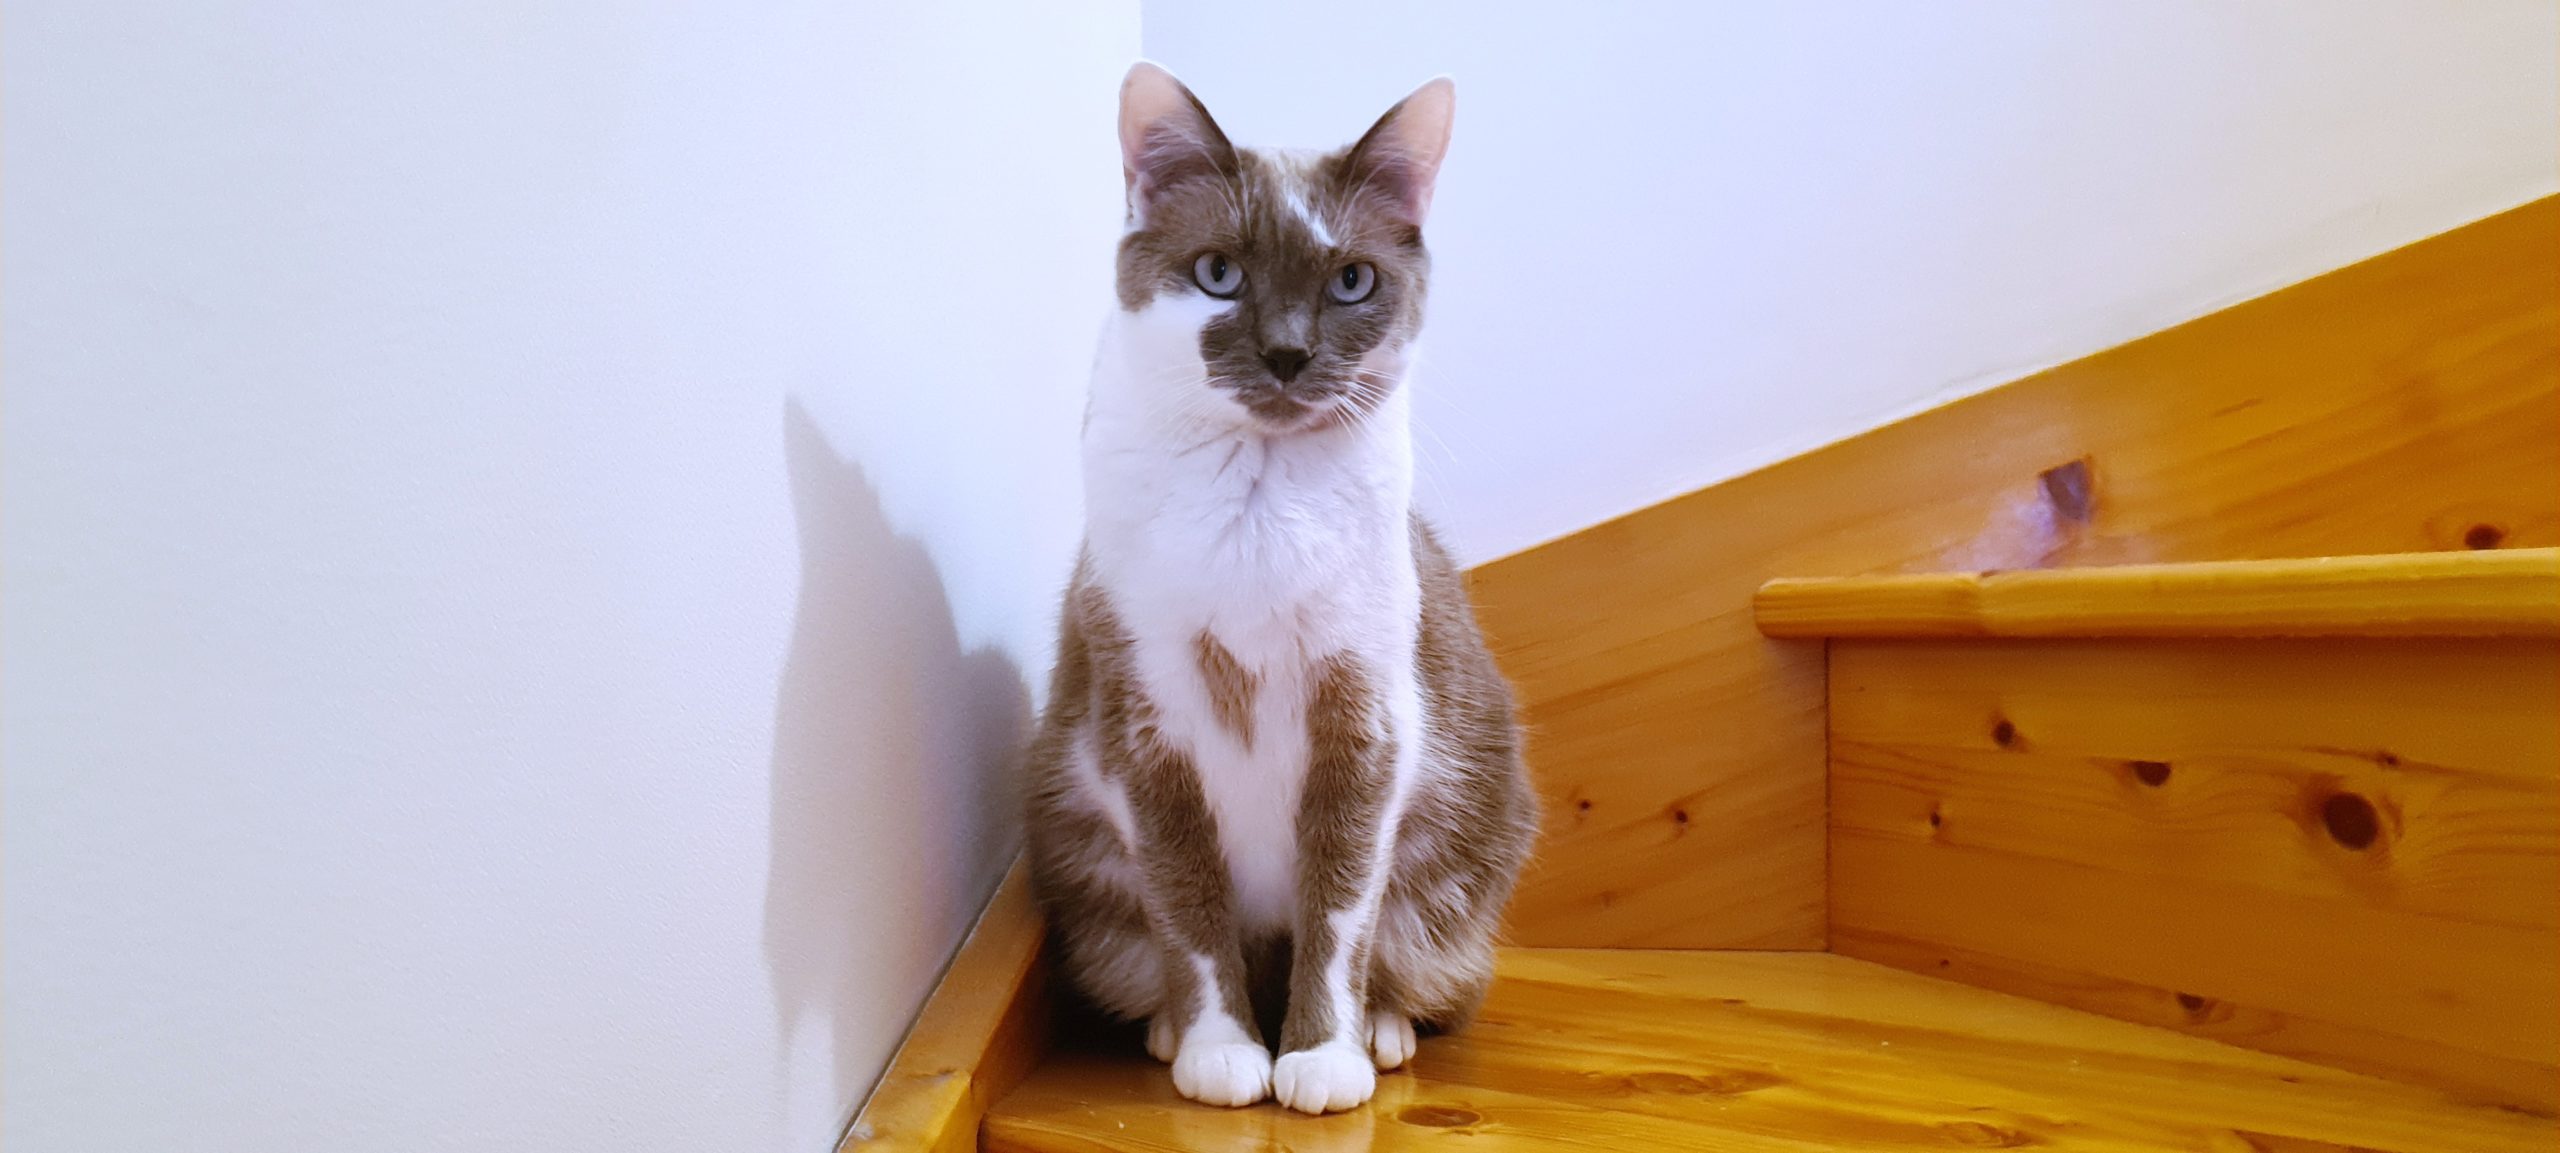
(1169, 156)
(1395, 180)
(1166, 137)
(1149, 96)
(1401, 153)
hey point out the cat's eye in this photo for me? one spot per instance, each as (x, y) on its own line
(1353, 284)
(1217, 275)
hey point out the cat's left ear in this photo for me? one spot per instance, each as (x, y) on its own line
(1400, 155)
(1166, 137)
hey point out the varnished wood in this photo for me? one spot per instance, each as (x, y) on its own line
(2406, 404)
(2344, 850)
(1639, 1051)
(2505, 592)
(982, 1031)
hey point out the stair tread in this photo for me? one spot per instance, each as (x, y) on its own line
(2502, 592)
(1632, 1050)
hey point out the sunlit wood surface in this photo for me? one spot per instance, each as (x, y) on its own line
(2498, 592)
(2409, 403)
(1632, 1051)
(2343, 849)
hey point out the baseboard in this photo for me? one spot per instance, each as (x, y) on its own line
(981, 1032)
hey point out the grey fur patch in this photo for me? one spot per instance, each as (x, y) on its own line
(1349, 757)
(1464, 836)
(1231, 687)
(1263, 210)
(1082, 869)
(1462, 840)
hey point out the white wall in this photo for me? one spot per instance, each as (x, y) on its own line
(1678, 241)
(528, 531)
(530, 527)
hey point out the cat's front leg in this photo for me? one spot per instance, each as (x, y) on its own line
(1217, 1051)
(1325, 1062)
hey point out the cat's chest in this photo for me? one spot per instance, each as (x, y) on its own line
(1244, 570)
(1257, 526)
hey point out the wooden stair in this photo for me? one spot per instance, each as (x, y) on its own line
(2310, 806)
(2084, 901)
(1629, 1050)
(2455, 594)
(2257, 852)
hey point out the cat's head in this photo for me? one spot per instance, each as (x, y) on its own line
(1302, 275)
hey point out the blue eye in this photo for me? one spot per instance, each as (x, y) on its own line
(1353, 284)
(1217, 275)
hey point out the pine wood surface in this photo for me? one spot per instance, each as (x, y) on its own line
(1632, 1051)
(2346, 850)
(2501, 592)
(2410, 403)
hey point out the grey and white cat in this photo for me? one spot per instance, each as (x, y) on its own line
(1278, 769)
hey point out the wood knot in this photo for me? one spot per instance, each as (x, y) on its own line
(1723, 1083)
(1437, 1116)
(2004, 734)
(2350, 820)
(1976, 1135)
(2483, 536)
(2195, 1006)
(1676, 1084)
(1736, 1082)
(2152, 773)
(2068, 489)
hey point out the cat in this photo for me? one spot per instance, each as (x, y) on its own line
(1277, 774)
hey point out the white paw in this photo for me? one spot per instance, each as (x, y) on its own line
(1223, 1072)
(1390, 1039)
(1162, 1041)
(1326, 1079)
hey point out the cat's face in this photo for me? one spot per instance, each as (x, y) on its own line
(1303, 275)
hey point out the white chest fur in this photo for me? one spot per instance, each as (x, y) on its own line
(1288, 551)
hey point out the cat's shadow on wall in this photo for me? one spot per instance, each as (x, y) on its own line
(894, 769)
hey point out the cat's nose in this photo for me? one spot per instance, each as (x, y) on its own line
(1285, 363)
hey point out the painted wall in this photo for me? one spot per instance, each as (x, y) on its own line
(1675, 242)
(530, 532)
(531, 528)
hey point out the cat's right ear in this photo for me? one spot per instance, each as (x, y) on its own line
(1166, 137)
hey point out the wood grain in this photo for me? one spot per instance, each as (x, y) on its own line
(2506, 592)
(980, 1034)
(1637, 1051)
(2343, 850)
(2405, 404)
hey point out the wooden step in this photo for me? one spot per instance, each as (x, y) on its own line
(2305, 806)
(2403, 404)
(1631, 1051)
(2512, 592)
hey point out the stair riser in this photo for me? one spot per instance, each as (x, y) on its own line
(2342, 850)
